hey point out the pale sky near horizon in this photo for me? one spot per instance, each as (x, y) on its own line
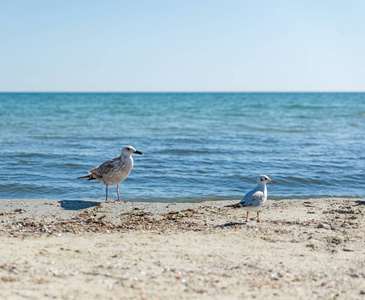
(142, 46)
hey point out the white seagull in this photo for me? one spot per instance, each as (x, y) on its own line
(114, 171)
(253, 200)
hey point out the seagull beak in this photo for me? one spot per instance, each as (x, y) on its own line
(138, 152)
(272, 181)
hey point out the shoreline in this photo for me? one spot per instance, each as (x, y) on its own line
(51, 209)
(311, 248)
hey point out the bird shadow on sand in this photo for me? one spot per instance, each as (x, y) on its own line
(230, 224)
(77, 204)
(359, 202)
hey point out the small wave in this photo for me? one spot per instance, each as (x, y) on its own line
(24, 188)
(50, 137)
(183, 151)
(309, 107)
(29, 155)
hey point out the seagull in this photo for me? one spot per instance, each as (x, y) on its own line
(253, 200)
(114, 171)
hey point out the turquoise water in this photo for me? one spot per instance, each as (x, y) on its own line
(196, 146)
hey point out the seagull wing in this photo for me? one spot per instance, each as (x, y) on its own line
(253, 198)
(104, 168)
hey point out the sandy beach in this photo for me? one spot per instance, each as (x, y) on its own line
(307, 249)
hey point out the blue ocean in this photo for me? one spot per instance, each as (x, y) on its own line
(196, 146)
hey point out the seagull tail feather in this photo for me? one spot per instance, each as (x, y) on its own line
(90, 177)
(236, 205)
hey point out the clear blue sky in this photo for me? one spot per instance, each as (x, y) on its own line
(239, 45)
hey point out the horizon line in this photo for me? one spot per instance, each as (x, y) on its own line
(176, 92)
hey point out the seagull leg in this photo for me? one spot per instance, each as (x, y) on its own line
(258, 217)
(247, 218)
(106, 191)
(118, 193)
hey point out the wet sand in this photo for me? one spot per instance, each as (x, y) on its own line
(307, 249)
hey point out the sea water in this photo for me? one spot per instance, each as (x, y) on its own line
(196, 146)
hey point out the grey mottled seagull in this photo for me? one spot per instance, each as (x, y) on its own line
(114, 171)
(253, 200)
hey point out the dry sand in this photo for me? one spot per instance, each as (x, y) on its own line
(313, 249)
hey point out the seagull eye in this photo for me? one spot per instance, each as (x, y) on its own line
(128, 149)
(262, 179)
